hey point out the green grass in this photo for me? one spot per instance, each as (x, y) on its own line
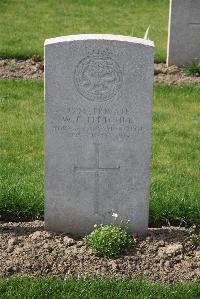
(94, 288)
(24, 25)
(175, 188)
(175, 152)
(193, 68)
(21, 145)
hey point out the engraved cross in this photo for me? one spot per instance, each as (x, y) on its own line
(96, 170)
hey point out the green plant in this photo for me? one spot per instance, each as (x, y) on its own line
(109, 240)
(193, 68)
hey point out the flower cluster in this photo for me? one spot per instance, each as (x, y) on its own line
(109, 240)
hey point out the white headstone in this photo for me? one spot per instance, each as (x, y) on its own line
(98, 91)
(184, 32)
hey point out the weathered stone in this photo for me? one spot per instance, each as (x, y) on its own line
(197, 254)
(170, 250)
(98, 92)
(10, 248)
(35, 235)
(68, 241)
(79, 244)
(184, 32)
(168, 264)
(173, 248)
(113, 264)
(13, 241)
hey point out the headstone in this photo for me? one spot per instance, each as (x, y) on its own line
(98, 91)
(184, 32)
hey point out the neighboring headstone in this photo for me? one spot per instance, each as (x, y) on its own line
(98, 91)
(184, 32)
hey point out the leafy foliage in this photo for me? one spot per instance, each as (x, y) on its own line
(109, 240)
(193, 68)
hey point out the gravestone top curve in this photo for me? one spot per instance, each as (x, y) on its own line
(82, 37)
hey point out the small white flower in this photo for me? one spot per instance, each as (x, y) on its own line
(95, 225)
(115, 215)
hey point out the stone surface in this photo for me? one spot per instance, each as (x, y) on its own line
(184, 32)
(98, 91)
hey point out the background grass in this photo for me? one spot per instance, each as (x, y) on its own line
(24, 25)
(175, 185)
(21, 146)
(94, 288)
(174, 164)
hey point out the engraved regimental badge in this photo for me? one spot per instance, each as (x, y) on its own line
(98, 78)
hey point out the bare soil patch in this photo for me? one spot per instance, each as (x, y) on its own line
(33, 69)
(21, 69)
(166, 254)
(173, 75)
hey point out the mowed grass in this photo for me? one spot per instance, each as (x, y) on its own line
(94, 288)
(174, 164)
(24, 25)
(175, 171)
(21, 145)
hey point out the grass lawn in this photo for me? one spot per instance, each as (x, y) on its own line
(21, 146)
(24, 25)
(94, 288)
(175, 187)
(174, 164)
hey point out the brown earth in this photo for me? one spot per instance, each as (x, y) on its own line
(168, 254)
(33, 69)
(21, 69)
(173, 75)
